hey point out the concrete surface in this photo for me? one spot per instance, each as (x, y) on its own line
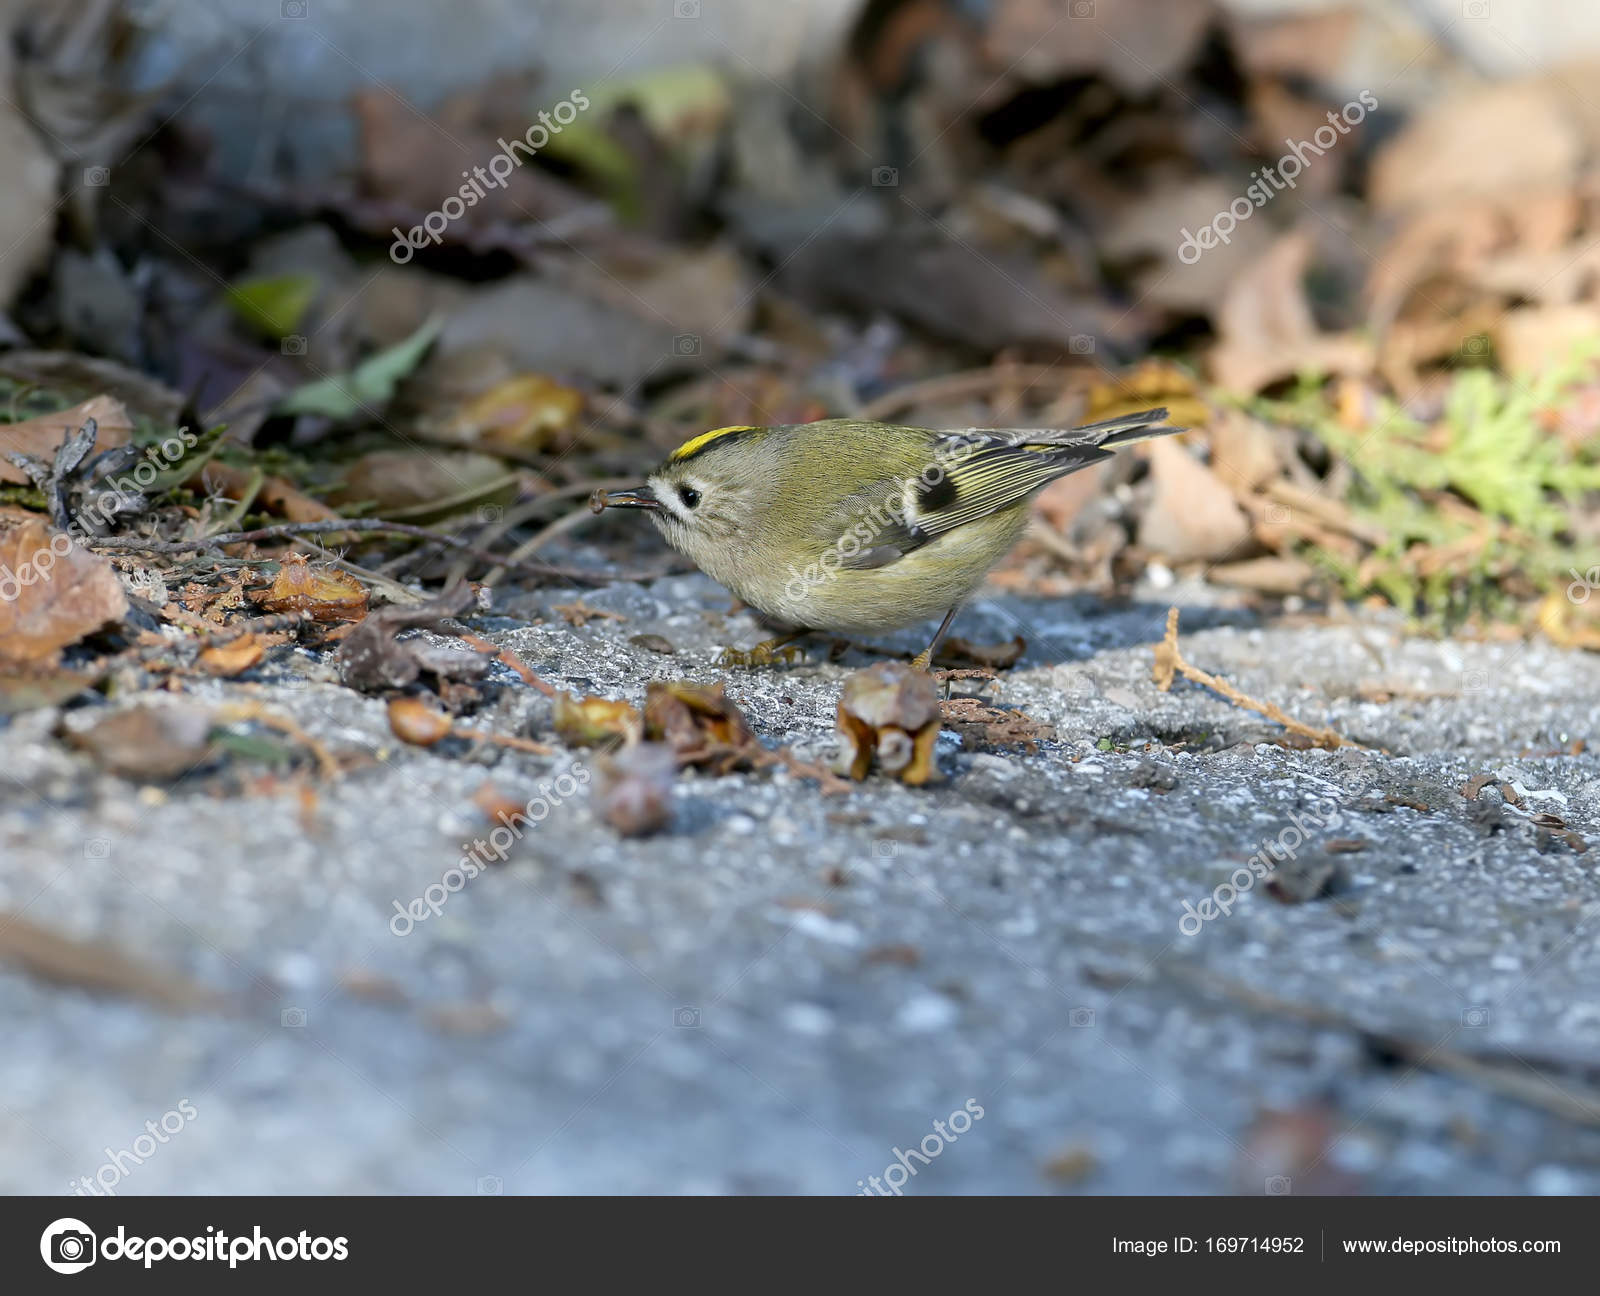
(788, 986)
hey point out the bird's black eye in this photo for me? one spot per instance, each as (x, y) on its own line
(689, 495)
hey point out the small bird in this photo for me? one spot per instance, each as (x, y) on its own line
(859, 527)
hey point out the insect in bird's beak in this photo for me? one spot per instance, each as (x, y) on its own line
(642, 498)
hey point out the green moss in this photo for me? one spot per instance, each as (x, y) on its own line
(1491, 449)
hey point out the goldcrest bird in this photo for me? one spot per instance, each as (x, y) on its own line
(858, 527)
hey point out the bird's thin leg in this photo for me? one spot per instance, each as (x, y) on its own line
(763, 654)
(924, 659)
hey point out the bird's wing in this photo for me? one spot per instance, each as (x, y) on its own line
(981, 471)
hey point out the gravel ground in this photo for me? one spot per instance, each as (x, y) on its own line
(789, 987)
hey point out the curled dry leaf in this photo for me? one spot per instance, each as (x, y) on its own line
(42, 436)
(148, 743)
(889, 712)
(322, 593)
(53, 592)
(415, 722)
(373, 659)
(699, 723)
(633, 789)
(589, 721)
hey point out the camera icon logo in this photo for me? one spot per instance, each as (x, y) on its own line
(293, 1017)
(490, 1185)
(293, 9)
(1081, 1017)
(686, 9)
(1475, 1018)
(1276, 515)
(1477, 345)
(885, 177)
(1475, 9)
(686, 1019)
(294, 344)
(96, 177)
(1080, 344)
(686, 344)
(488, 513)
(97, 848)
(1474, 681)
(68, 1246)
(1081, 9)
(884, 848)
(1278, 1186)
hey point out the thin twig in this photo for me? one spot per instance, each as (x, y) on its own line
(506, 658)
(291, 530)
(1169, 661)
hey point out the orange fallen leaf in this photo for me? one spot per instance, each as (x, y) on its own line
(415, 722)
(233, 656)
(322, 593)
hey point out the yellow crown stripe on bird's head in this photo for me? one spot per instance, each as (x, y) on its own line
(694, 445)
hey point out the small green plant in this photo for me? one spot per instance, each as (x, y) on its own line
(1476, 511)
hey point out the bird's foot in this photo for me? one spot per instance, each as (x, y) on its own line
(769, 653)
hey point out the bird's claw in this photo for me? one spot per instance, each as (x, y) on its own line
(763, 654)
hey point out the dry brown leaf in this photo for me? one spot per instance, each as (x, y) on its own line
(276, 495)
(699, 723)
(1160, 228)
(1309, 47)
(1192, 515)
(890, 714)
(1270, 575)
(89, 965)
(1535, 338)
(42, 436)
(1267, 329)
(1244, 452)
(52, 593)
(407, 483)
(1138, 44)
(1484, 142)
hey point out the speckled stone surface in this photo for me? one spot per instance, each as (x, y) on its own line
(788, 987)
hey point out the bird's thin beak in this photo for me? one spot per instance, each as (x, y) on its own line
(642, 498)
